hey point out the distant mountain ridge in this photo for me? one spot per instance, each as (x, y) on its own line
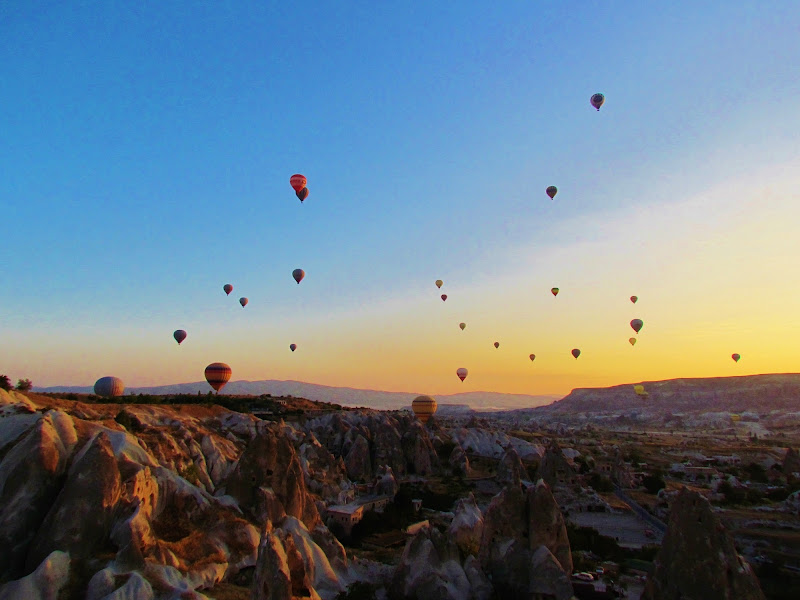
(480, 401)
(774, 391)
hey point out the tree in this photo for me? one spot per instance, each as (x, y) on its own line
(24, 385)
(5, 382)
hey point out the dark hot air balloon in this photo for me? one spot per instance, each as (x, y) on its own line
(179, 336)
(424, 407)
(497, 344)
(303, 194)
(298, 182)
(551, 191)
(597, 100)
(576, 353)
(463, 326)
(243, 302)
(736, 357)
(532, 357)
(109, 387)
(298, 275)
(217, 375)
(228, 288)
(292, 347)
(444, 297)
(637, 325)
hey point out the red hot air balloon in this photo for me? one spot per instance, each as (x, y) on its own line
(634, 299)
(532, 357)
(736, 357)
(637, 325)
(497, 344)
(462, 373)
(298, 275)
(243, 302)
(551, 191)
(217, 375)
(554, 291)
(179, 336)
(576, 353)
(228, 288)
(444, 297)
(303, 194)
(298, 182)
(292, 347)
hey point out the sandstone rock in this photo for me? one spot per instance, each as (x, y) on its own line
(791, 463)
(135, 587)
(279, 574)
(386, 484)
(546, 525)
(554, 467)
(44, 583)
(479, 584)
(698, 558)
(466, 527)
(421, 457)
(357, 461)
(459, 462)
(511, 470)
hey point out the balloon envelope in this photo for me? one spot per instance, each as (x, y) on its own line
(637, 325)
(217, 375)
(424, 407)
(303, 194)
(463, 326)
(638, 389)
(736, 357)
(439, 283)
(228, 288)
(292, 347)
(632, 341)
(634, 299)
(179, 336)
(554, 291)
(109, 387)
(243, 302)
(462, 373)
(532, 357)
(576, 353)
(444, 297)
(552, 191)
(298, 182)
(497, 344)
(597, 100)
(298, 275)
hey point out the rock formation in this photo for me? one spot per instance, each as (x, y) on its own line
(698, 558)
(510, 469)
(791, 463)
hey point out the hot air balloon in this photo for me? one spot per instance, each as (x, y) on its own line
(444, 297)
(462, 373)
(637, 325)
(632, 341)
(292, 347)
(554, 291)
(532, 357)
(463, 326)
(424, 407)
(497, 344)
(597, 100)
(736, 418)
(439, 283)
(736, 357)
(634, 299)
(179, 336)
(243, 302)
(639, 389)
(576, 353)
(298, 182)
(303, 194)
(551, 191)
(228, 288)
(217, 375)
(298, 275)
(109, 387)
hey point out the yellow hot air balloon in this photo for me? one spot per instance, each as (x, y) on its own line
(424, 407)
(439, 283)
(736, 418)
(639, 389)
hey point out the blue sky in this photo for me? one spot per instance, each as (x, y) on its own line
(147, 151)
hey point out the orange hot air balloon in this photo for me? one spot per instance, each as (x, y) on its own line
(497, 344)
(554, 291)
(298, 275)
(532, 357)
(439, 283)
(462, 373)
(637, 325)
(298, 182)
(551, 191)
(109, 387)
(424, 407)
(444, 297)
(302, 194)
(243, 302)
(217, 375)
(228, 288)
(736, 357)
(179, 336)
(634, 299)
(576, 353)
(292, 347)
(632, 341)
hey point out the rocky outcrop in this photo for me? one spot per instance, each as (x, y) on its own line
(791, 463)
(44, 583)
(555, 469)
(466, 528)
(459, 462)
(546, 525)
(357, 461)
(698, 558)
(510, 469)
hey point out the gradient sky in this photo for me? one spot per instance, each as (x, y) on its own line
(146, 150)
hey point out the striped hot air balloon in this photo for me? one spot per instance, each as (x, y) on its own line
(298, 182)
(424, 407)
(462, 373)
(217, 375)
(109, 387)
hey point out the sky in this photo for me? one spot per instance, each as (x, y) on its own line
(147, 149)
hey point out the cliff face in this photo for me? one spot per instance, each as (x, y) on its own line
(698, 558)
(154, 501)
